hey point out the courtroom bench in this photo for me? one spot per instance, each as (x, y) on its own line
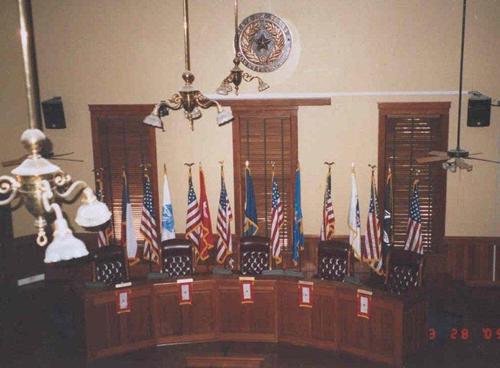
(396, 329)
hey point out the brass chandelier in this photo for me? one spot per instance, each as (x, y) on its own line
(189, 98)
(237, 75)
(38, 182)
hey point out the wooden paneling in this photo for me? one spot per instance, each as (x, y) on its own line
(397, 327)
(109, 333)
(295, 322)
(247, 322)
(471, 258)
(176, 323)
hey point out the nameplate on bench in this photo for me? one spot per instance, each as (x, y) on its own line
(123, 284)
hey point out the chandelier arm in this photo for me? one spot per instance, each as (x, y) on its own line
(71, 190)
(205, 103)
(174, 102)
(8, 184)
(248, 78)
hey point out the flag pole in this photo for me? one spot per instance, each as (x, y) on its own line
(273, 163)
(145, 168)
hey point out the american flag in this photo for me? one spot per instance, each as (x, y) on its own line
(193, 219)
(148, 225)
(105, 232)
(328, 223)
(224, 217)
(277, 219)
(371, 251)
(413, 232)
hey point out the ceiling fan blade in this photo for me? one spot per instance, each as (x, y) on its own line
(483, 159)
(438, 153)
(14, 162)
(61, 154)
(475, 153)
(66, 159)
(427, 159)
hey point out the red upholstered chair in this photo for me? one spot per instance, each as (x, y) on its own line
(177, 258)
(403, 270)
(109, 265)
(254, 255)
(335, 260)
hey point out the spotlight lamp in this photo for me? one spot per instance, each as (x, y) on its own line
(38, 182)
(237, 75)
(189, 98)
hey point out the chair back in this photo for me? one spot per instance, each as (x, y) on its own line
(177, 258)
(109, 265)
(403, 271)
(335, 260)
(254, 255)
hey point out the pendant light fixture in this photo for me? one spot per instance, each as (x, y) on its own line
(38, 182)
(189, 98)
(237, 75)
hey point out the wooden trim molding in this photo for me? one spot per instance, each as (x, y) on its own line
(276, 102)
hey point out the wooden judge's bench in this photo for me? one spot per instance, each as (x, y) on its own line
(397, 326)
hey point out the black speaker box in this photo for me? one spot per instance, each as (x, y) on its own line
(53, 113)
(479, 111)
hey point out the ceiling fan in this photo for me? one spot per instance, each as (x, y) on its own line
(46, 152)
(455, 158)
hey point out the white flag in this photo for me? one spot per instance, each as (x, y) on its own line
(131, 238)
(167, 213)
(353, 219)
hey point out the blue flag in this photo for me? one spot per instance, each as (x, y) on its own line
(298, 230)
(250, 226)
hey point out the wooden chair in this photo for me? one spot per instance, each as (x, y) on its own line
(177, 258)
(335, 260)
(109, 265)
(254, 255)
(403, 270)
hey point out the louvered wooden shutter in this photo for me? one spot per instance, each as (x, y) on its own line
(120, 140)
(409, 131)
(262, 136)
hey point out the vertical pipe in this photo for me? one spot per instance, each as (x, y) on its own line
(29, 62)
(186, 36)
(461, 74)
(494, 263)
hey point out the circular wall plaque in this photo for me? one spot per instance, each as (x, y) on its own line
(264, 42)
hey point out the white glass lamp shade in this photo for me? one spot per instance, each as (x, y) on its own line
(154, 121)
(223, 89)
(64, 246)
(92, 212)
(224, 117)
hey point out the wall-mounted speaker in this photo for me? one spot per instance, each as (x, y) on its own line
(53, 113)
(479, 111)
